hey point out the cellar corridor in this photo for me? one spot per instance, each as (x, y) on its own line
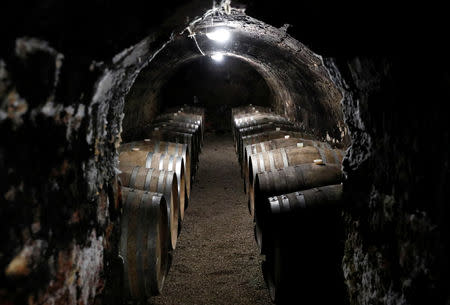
(108, 110)
(216, 260)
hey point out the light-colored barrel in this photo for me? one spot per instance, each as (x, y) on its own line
(248, 108)
(281, 142)
(267, 126)
(161, 161)
(144, 243)
(177, 137)
(285, 142)
(256, 119)
(177, 149)
(161, 181)
(266, 136)
(284, 157)
(241, 111)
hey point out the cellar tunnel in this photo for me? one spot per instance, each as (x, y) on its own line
(300, 85)
(79, 83)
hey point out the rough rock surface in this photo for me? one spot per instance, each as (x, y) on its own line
(397, 170)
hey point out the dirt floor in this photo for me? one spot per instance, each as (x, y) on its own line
(216, 260)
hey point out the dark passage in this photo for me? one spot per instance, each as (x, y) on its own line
(216, 260)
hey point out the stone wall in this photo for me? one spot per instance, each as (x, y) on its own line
(59, 196)
(397, 170)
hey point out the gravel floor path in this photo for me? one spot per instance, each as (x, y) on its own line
(216, 260)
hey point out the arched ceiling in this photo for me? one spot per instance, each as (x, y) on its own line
(298, 80)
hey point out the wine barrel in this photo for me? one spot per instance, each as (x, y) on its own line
(259, 129)
(177, 149)
(161, 161)
(144, 243)
(263, 126)
(182, 127)
(265, 136)
(190, 109)
(260, 118)
(182, 117)
(160, 181)
(286, 180)
(195, 133)
(242, 111)
(306, 246)
(273, 144)
(177, 137)
(257, 119)
(284, 157)
(248, 108)
(281, 142)
(199, 111)
(315, 198)
(252, 114)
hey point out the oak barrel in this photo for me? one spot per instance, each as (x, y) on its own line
(160, 181)
(306, 247)
(266, 136)
(284, 157)
(158, 161)
(167, 126)
(178, 137)
(182, 117)
(177, 149)
(144, 243)
(286, 142)
(286, 180)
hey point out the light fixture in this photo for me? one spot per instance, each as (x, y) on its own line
(217, 57)
(219, 35)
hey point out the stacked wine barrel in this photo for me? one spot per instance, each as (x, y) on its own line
(157, 174)
(294, 189)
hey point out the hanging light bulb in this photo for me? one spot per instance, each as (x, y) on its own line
(219, 35)
(217, 56)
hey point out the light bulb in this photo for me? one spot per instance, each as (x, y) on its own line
(219, 35)
(217, 57)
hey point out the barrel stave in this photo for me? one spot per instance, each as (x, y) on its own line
(144, 243)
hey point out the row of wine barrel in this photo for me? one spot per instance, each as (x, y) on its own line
(157, 175)
(293, 183)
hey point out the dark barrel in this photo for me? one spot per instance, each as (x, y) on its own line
(182, 117)
(306, 248)
(167, 126)
(286, 180)
(144, 243)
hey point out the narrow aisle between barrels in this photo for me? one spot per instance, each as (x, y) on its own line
(216, 260)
